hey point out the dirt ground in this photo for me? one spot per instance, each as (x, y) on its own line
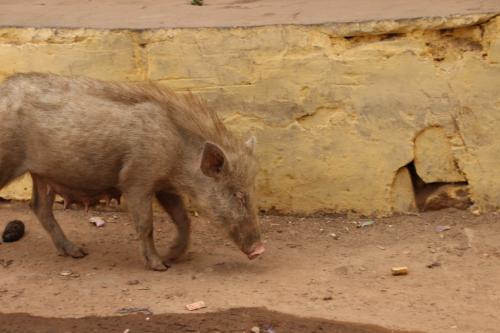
(306, 272)
(147, 14)
(235, 320)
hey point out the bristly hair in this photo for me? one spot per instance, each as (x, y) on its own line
(185, 110)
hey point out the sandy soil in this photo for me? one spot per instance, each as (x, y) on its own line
(144, 14)
(304, 272)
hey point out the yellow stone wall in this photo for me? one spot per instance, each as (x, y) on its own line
(336, 109)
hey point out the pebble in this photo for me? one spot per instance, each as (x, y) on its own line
(133, 282)
(255, 329)
(434, 264)
(441, 228)
(68, 273)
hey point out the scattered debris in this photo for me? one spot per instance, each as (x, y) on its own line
(441, 228)
(269, 329)
(6, 263)
(145, 311)
(333, 235)
(469, 234)
(434, 264)
(98, 221)
(69, 274)
(196, 306)
(365, 223)
(399, 270)
(14, 231)
(255, 329)
(133, 282)
(475, 211)
(114, 218)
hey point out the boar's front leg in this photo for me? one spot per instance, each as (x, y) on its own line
(140, 207)
(173, 205)
(41, 202)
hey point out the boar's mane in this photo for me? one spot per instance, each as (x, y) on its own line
(186, 111)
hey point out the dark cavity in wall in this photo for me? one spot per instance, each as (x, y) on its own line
(439, 195)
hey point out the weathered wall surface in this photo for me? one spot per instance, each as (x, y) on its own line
(338, 110)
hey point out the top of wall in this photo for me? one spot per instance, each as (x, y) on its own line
(153, 14)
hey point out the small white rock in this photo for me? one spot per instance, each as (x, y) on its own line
(66, 273)
(333, 235)
(255, 329)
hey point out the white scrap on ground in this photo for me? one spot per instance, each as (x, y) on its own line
(196, 306)
(98, 221)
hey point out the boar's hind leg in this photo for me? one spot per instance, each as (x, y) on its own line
(41, 203)
(140, 207)
(174, 206)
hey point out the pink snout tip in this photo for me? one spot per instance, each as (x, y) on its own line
(256, 251)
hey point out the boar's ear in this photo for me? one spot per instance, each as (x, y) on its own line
(250, 143)
(213, 160)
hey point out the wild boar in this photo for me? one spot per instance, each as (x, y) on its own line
(84, 139)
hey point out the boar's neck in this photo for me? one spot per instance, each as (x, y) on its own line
(186, 177)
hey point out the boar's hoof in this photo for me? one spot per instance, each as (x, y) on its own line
(157, 265)
(175, 253)
(70, 249)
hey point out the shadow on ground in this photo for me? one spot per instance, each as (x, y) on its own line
(234, 320)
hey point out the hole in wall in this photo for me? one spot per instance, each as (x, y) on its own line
(438, 195)
(2, 200)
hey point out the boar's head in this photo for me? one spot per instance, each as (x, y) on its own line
(227, 196)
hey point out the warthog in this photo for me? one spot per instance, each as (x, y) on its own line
(87, 139)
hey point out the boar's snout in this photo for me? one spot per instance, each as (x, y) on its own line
(256, 250)
(247, 237)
